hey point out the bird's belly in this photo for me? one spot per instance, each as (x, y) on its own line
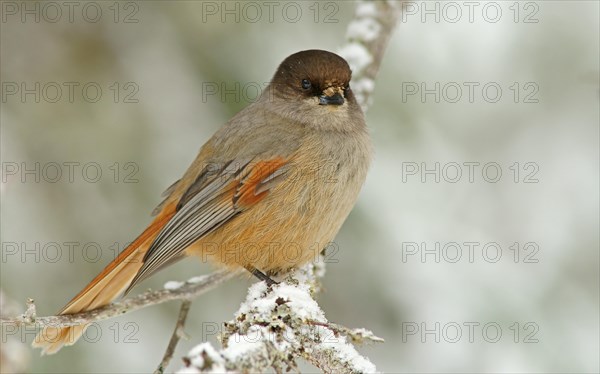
(293, 225)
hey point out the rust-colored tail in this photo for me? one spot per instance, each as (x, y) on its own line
(106, 287)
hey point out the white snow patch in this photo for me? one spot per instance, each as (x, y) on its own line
(296, 297)
(362, 89)
(347, 353)
(197, 279)
(366, 9)
(365, 29)
(173, 285)
(300, 301)
(357, 55)
(239, 346)
(363, 85)
(196, 356)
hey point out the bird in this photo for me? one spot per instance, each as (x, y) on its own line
(267, 192)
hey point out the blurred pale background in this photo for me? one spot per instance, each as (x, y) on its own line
(541, 295)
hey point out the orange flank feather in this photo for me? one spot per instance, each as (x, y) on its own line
(250, 191)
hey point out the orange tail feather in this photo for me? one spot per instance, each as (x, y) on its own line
(103, 289)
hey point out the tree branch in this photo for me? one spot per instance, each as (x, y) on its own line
(187, 291)
(367, 37)
(178, 333)
(277, 325)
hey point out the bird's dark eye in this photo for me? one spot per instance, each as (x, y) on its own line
(306, 84)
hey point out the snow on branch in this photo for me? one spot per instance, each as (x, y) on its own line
(187, 291)
(277, 325)
(368, 35)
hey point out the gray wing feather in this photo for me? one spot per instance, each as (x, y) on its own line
(165, 194)
(200, 213)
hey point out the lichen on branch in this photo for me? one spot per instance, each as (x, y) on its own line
(277, 325)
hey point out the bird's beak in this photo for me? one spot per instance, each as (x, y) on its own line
(332, 96)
